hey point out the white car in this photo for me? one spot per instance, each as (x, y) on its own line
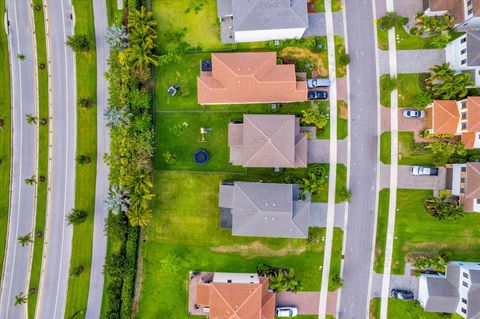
(414, 114)
(424, 171)
(317, 83)
(286, 311)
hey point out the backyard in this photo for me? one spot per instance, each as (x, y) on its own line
(186, 223)
(409, 86)
(417, 231)
(408, 153)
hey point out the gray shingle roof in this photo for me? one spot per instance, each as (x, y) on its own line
(453, 274)
(473, 48)
(249, 15)
(443, 297)
(266, 210)
(473, 307)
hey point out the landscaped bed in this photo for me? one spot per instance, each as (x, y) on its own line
(185, 235)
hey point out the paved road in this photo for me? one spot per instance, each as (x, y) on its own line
(58, 240)
(103, 144)
(24, 163)
(361, 209)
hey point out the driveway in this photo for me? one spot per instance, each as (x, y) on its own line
(307, 302)
(406, 281)
(409, 181)
(404, 124)
(319, 151)
(412, 61)
(318, 215)
(317, 26)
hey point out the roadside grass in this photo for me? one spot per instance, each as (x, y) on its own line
(85, 174)
(381, 237)
(341, 70)
(337, 5)
(409, 85)
(408, 154)
(342, 121)
(42, 158)
(324, 107)
(417, 231)
(185, 236)
(114, 15)
(5, 136)
(406, 309)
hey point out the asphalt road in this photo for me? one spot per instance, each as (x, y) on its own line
(103, 146)
(24, 164)
(58, 239)
(361, 211)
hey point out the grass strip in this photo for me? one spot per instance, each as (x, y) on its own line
(382, 224)
(78, 284)
(40, 36)
(5, 135)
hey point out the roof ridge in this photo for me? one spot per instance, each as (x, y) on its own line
(249, 297)
(293, 220)
(478, 173)
(301, 140)
(248, 197)
(275, 146)
(223, 298)
(452, 116)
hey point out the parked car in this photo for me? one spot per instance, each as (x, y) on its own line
(317, 83)
(424, 170)
(414, 114)
(317, 95)
(286, 311)
(401, 294)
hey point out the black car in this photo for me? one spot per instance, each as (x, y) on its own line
(401, 294)
(317, 95)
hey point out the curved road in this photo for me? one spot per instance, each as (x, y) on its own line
(24, 163)
(99, 249)
(58, 240)
(360, 231)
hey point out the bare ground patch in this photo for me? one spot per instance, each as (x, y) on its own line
(296, 52)
(258, 249)
(343, 110)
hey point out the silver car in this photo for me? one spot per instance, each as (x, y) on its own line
(414, 114)
(286, 311)
(317, 83)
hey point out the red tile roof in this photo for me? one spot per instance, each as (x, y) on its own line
(249, 77)
(473, 109)
(445, 117)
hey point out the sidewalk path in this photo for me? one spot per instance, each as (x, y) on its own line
(103, 144)
(322, 307)
(411, 61)
(21, 214)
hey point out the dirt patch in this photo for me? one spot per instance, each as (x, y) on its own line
(258, 249)
(343, 111)
(296, 52)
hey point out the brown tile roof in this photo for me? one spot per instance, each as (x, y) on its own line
(473, 109)
(445, 117)
(249, 77)
(270, 141)
(239, 300)
(203, 294)
(468, 139)
(472, 189)
(455, 8)
(476, 7)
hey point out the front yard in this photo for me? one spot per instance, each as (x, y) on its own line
(409, 86)
(417, 231)
(185, 235)
(409, 153)
(405, 309)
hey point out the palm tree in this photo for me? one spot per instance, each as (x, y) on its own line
(141, 56)
(454, 211)
(76, 216)
(20, 299)
(139, 183)
(420, 263)
(78, 42)
(83, 159)
(264, 269)
(390, 20)
(21, 57)
(113, 117)
(139, 216)
(30, 181)
(117, 200)
(291, 282)
(440, 72)
(85, 102)
(25, 239)
(277, 281)
(452, 87)
(142, 18)
(443, 208)
(31, 119)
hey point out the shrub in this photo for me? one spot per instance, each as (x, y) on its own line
(391, 20)
(169, 157)
(76, 217)
(344, 195)
(344, 59)
(78, 43)
(422, 100)
(313, 117)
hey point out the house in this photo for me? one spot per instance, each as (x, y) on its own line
(463, 54)
(267, 141)
(249, 77)
(236, 295)
(263, 209)
(261, 20)
(458, 291)
(465, 13)
(464, 182)
(460, 118)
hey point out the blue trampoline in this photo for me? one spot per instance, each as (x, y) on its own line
(201, 157)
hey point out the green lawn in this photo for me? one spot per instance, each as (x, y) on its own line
(409, 85)
(417, 231)
(337, 5)
(185, 234)
(42, 158)
(404, 309)
(85, 174)
(408, 153)
(382, 223)
(341, 70)
(114, 15)
(5, 135)
(342, 123)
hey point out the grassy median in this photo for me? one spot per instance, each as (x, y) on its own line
(42, 157)
(85, 174)
(5, 135)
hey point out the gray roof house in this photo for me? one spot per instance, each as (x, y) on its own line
(267, 141)
(263, 209)
(458, 291)
(262, 20)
